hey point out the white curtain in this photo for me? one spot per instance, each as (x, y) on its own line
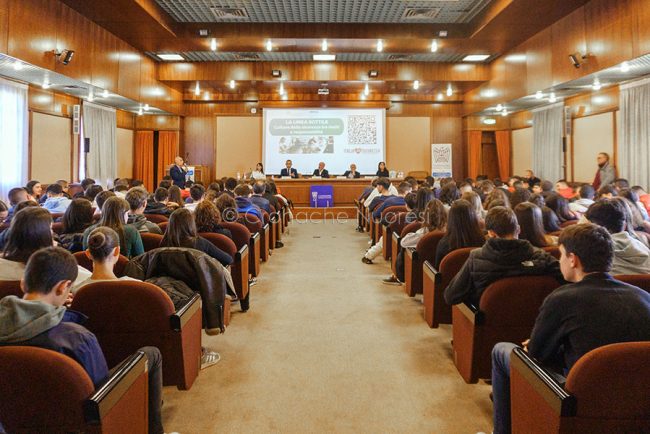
(634, 133)
(14, 136)
(547, 142)
(100, 126)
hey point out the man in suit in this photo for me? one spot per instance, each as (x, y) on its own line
(321, 171)
(352, 173)
(288, 170)
(178, 172)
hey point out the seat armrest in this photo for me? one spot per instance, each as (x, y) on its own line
(115, 387)
(471, 312)
(543, 382)
(412, 253)
(185, 313)
(255, 237)
(242, 253)
(431, 272)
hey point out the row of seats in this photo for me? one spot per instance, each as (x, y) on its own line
(58, 396)
(598, 395)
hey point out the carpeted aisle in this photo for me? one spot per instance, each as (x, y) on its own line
(326, 347)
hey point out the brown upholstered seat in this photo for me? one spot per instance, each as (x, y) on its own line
(126, 315)
(395, 226)
(57, 228)
(87, 263)
(150, 241)
(414, 259)
(606, 391)
(553, 251)
(156, 218)
(257, 239)
(239, 253)
(388, 215)
(507, 313)
(568, 223)
(639, 280)
(163, 226)
(10, 287)
(395, 243)
(436, 311)
(47, 392)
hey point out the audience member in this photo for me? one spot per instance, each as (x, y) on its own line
(208, 219)
(227, 208)
(114, 215)
(197, 193)
(181, 232)
(86, 182)
(518, 196)
(531, 179)
(92, 191)
(531, 225)
(563, 189)
(586, 195)
(160, 204)
(76, 219)
(403, 189)
(383, 191)
(34, 190)
(475, 200)
(449, 194)
(101, 198)
(606, 192)
(503, 255)
(463, 230)
(258, 198)
(560, 207)
(497, 194)
(31, 229)
(4, 211)
(137, 199)
(16, 195)
(56, 202)
(175, 197)
(591, 311)
(244, 204)
(630, 255)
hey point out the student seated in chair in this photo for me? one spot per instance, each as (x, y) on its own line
(40, 319)
(503, 255)
(137, 199)
(56, 202)
(244, 204)
(591, 311)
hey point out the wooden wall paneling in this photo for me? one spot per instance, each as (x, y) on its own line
(125, 119)
(157, 123)
(4, 25)
(450, 130)
(106, 60)
(568, 36)
(40, 100)
(199, 139)
(609, 28)
(591, 103)
(64, 104)
(539, 61)
(128, 83)
(76, 32)
(642, 13)
(516, 73)
(147, 82)
(32, 31)
(521, 120)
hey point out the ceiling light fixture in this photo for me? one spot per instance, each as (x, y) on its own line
(434, 46)
(366, 90)
(489, 121)
(45, 85)
(170, 57)
(140, 112)
(552, 98)
(380, 45)
(105, 93)
(499, 107)
(269, 45)
(91, 96)
(450, 91)
(323, 45)
(596, 85)
(416, 84)
(213, 44)
(232, 84)
(18, 66)
(324, 57)
(476, 57)
(197, 89)
(625, 67)
(146, 107)
(539, 94)
(504, 112)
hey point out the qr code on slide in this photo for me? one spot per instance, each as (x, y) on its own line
(362, 130)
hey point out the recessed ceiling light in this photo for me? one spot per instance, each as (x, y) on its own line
(232, 84)
(504, 112)
(140, 111)
(146, 107)
(269, 45)
(324, 57)
(276, 73)
(45, 85)
(323, 45)
(475, 57)
(489, 121)
(596, 85)
(416, 84)
(625, 67)
(91, 96)
(176, 57)
(105, 94)
(499, 107)
(18, 65)
(213, 44)
(539, 94)
(552, 98)
(197, 89)
(380, 45)
(434, 46)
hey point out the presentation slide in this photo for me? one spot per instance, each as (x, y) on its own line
(337, 137)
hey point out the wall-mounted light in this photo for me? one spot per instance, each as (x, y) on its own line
(416, 84)
(232, 84)
(596, 85)
(213, 44)
(380, 45)
(539, 94)
(434, 46)
(323, 45)
(269, 45)
(450, 91)
(197, 89)
(552, 98)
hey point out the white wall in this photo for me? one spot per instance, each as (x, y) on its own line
(522, 145)
(124, 153)
(591, 135)
(51, 146)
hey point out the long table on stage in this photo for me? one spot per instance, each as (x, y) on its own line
(345, 190)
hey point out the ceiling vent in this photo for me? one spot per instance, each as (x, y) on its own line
(247, 56)
(418, 14)
(224, 13)
(397, 57)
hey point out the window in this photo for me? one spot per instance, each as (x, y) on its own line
(14, 136)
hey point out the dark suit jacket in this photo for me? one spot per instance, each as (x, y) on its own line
(348, 172)
(178, 176)
(284, 172)
(324, 174)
